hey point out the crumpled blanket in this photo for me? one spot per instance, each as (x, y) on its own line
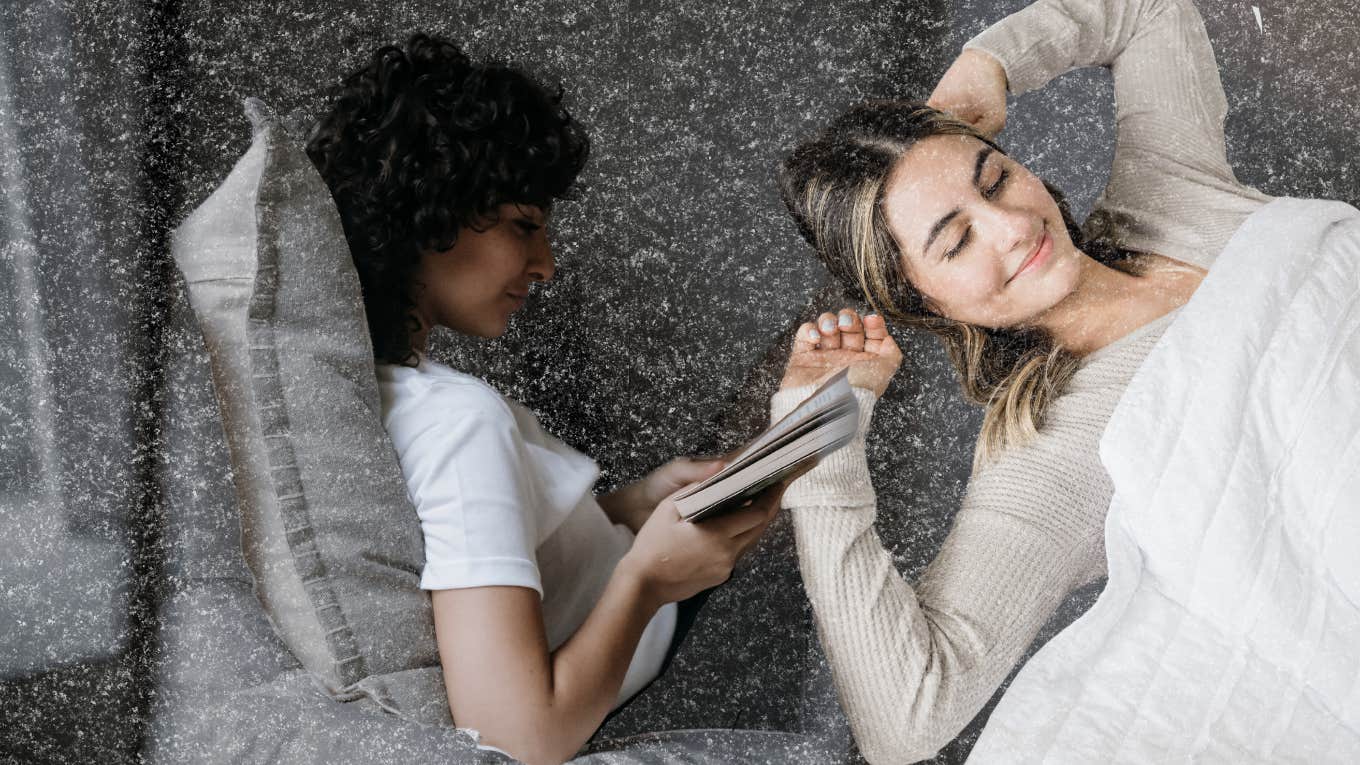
(1229, 629)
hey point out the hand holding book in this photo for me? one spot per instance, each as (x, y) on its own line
(631, 505)
(820, 425)
(847, 352)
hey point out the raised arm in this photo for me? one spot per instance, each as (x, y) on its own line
(1171, 190)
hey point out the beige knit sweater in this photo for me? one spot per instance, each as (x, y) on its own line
(913, 665)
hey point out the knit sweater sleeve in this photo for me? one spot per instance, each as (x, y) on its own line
(1171, 190)
(913, 666)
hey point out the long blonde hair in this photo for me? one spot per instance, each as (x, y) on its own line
(833, 185)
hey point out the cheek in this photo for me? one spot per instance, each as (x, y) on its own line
(977, 283)
(954, 292)
(472, 275)
(975, 293)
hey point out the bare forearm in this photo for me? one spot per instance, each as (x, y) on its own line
(584, 677)
(589, 668)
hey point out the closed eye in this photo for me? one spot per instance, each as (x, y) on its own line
(989, 192)
(958, 248)
(992, 190)
(527, 226)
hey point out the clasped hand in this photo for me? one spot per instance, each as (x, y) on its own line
(841, 340)
(974, 90)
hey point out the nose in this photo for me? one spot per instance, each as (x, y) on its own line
(542, 265)
(1011, 228)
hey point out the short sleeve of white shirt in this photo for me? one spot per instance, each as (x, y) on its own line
(467, 471)
(501, 502)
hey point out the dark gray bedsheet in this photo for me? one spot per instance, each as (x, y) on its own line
(126, 627)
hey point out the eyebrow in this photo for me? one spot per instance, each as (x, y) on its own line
(944, 221)
(533, 213)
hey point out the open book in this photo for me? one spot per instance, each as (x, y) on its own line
(823, 423)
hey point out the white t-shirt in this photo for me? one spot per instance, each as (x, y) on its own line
(502, 502)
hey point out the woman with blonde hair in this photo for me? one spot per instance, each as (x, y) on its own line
(916, 208)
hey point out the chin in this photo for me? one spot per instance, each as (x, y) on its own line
(484, 331)
(1056, 291)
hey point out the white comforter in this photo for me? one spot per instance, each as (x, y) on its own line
(1229, 630)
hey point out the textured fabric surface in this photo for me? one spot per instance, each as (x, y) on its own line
(329, 531)
(711, 747)
(913, 665)
(228, 690)
(1229, 630)
(1171, 190)
(215, 249)
(679, 272)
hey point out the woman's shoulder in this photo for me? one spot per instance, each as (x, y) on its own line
(1054, 481)
(432, 390)
(1065, 446)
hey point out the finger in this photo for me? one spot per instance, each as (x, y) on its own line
(875, 332)
(748, 539)
(807, 337)
(887, 349)
(768, 503)
(831, 336)
(690, 469)
(770, 498)
(734, 523)
(875, 328)
(852, 329)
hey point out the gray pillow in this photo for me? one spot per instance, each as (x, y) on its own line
(328, 531)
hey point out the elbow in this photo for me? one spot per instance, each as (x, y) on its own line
(914, 728)
(528, 748)
(533, 739)
(900, 746)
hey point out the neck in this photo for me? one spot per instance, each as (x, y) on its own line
(420, 337)
(1106, 305)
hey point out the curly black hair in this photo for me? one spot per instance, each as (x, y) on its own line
(422, 142)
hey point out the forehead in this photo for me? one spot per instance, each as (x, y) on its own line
(931, 179)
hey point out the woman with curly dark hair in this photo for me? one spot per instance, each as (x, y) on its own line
(552, 606)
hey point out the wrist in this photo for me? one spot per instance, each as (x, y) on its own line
(988, 61)
(633, 579)
(842, 478)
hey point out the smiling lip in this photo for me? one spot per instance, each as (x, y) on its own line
(1039, 256)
